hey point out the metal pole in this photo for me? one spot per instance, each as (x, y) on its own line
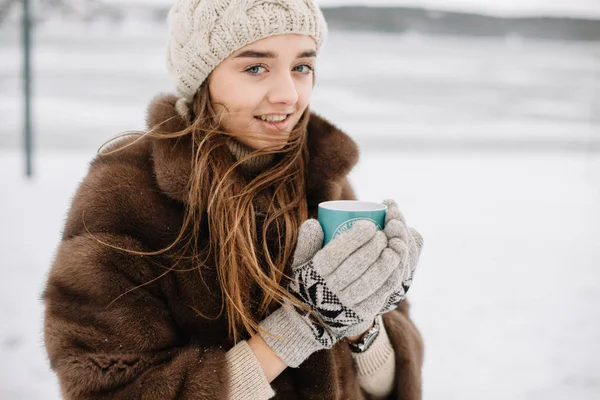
(27, 84)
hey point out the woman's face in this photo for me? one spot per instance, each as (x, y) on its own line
(263, 88)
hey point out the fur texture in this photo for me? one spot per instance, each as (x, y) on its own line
(121, 326)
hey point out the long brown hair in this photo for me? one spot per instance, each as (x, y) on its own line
(222, 196)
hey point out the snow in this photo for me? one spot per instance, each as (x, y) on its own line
(506, 291)
(32, 213)
(508, 281)
(490, 147)
(403, 88)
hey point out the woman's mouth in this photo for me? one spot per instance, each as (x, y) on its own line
(274, 121)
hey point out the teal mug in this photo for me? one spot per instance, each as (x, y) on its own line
(338, 216)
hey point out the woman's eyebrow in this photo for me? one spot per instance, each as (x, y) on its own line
(307, 53)
(256, 54)
(270, 54)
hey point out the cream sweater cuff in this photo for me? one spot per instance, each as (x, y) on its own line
(376, 367)
(247, 378)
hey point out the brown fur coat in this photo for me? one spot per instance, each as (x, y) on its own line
(150, 343)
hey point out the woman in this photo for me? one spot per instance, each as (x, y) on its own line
(191, 265)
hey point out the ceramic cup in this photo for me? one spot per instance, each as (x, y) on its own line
(339, 216)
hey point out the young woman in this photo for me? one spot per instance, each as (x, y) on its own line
(191, 265)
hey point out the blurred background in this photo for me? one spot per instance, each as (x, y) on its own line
(480, 117)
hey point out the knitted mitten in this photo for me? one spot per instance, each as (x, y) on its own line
(407, 242)
(346, 284)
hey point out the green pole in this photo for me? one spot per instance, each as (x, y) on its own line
(27, 84)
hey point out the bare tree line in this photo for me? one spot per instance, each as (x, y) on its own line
(79, 9)
(7, 6)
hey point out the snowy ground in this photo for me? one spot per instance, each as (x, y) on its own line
(491, 149)
(507, 290)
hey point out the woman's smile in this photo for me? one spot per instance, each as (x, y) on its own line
(275, 122)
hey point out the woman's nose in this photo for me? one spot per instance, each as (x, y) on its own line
(283, 90)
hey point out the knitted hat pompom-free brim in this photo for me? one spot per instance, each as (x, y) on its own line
(206, 32)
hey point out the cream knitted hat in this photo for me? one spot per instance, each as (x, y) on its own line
(205, 32)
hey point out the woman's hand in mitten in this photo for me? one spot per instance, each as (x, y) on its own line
(346, 283)
(407, 242)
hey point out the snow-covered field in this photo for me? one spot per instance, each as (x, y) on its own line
(404, 91)
(507, 290)
(508, 286)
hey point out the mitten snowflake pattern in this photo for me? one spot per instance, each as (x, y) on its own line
(309, 287)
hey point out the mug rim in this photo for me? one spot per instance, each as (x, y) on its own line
(360, 205)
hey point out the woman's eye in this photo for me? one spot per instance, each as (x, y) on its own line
(304, 68)
(255, 70)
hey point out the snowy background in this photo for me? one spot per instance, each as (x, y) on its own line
(491, 146)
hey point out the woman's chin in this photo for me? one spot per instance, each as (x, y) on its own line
(271, 144)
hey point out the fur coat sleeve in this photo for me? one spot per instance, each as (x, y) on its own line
(110, 331)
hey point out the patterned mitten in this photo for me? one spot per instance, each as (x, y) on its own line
(407, 242)
(346, 283)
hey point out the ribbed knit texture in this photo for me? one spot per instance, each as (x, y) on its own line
(254, 165)
(205, 32)
(376, 367)
(247, 378)
(291, 336)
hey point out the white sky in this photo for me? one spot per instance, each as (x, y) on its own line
(580, 8)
